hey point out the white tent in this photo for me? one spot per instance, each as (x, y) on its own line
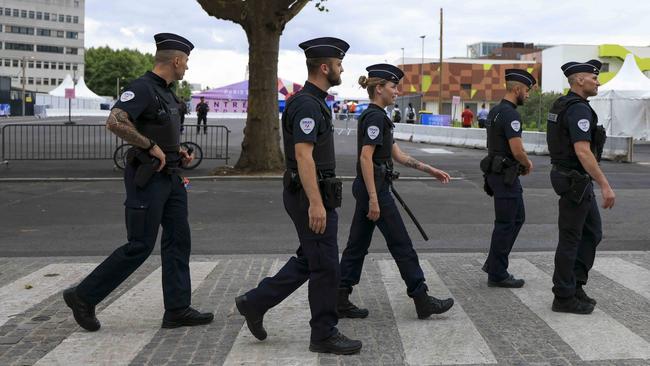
(82, 91)
(59, 91)
(623, 103)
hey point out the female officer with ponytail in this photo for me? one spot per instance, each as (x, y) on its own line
(375, 206)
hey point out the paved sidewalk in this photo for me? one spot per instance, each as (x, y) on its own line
(486, 326)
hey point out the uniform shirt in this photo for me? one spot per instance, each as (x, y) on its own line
(308, 120)
(202, 108)
(579, 119)
(375, 128)
(147, 109)
(503, 123)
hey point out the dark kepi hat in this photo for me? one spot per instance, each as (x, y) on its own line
(591, 66)
(325, 47)
(386, 72)
(171, 41)
(521, 76)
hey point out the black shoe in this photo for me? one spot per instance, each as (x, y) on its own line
(337, 344)
(426, 305)
(83, 313)
(582, 296)
(345, 308)
(254, 321)
(510, 282)
(571, 305)
(185, 318)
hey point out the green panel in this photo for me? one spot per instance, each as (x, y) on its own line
(487, 67)
(426, 82)
(614, 50)
(604, 77)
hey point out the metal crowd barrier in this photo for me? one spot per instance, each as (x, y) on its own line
(92, 141)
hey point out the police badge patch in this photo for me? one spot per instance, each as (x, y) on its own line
(373, 132)
(307, 125)
(583, 124)
(516, 125)
(126, 96)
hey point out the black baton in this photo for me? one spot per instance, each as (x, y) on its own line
(408, 211)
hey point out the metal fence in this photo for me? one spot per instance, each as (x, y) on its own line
(91, 142)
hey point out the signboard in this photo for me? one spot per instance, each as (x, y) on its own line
(28, 99)
(69, 93)
(455, 100)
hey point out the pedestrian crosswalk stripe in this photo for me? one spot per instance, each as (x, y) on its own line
(287, 325)
(634, 277)
(593, 337)
(28, 291)
(450, 338)
(128, 324)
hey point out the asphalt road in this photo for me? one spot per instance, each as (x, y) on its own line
(246, 216)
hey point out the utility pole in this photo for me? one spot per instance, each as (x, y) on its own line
(402, 57)
(24, 81)
(422, 68)
(440, 71)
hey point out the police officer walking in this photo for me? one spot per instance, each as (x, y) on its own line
(375, 205)
(506, 160)
(575, 142)
(147, 116)
(311, 195)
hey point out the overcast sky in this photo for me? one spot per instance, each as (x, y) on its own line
(375, 29)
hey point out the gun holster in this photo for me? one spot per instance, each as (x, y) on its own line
(600, 137)
(145, 165)
(576, 186)
(331, 190)
(291, 181)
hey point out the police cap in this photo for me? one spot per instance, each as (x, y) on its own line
(386, 72)
(325, 47)
(171, 41)
(521, 76)
(591, 66)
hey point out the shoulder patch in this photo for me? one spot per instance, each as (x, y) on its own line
(126, 96)
(307, 125)
(373, 132)
(583, 124)
(516, 125)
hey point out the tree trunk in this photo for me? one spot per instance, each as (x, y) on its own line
(261, 145)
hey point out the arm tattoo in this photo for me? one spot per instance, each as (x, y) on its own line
(415, 164)
(118, 123)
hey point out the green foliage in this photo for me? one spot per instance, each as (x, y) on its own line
(320, 5)
(534, 111)
(183, 91)
(105, 65)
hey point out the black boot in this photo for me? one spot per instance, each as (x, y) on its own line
(254, 321)
(337, 344)
(83, 312)
(345, 308)
(571, 305)
(510, 282)
(186, 318)
(426, 305)
(582, 296)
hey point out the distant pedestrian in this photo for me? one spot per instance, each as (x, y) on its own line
(467, 117)
(482, 116)
(202, 110)
(410, 114)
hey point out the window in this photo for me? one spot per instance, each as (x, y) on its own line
(74, 67)
(19, 46)
(49, 49)
(30, 80)
(53, 16)
(60, 81)
(68, 18)
(19, 30)
(16, 13)
(46, 64)
(67, 66)
(7, 62)
(76, 3)
(1, 11)
(46, 81)
(38, 81)
(39, 15)
(466, 87)
(61, 18)
(60, 34)
(38, 65)
(61, 65)
(7, 12)
(31, 14)
(44, 32)
(72, 51)
(75, 20)
(30, 64)
(14, 63)
(604, 67)
(53, 81)
(46, 16)
(72, 35)
(23, 13)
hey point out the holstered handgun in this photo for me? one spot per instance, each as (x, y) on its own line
(145, 165)
(331, 190)
(600, 137)
(291, 181)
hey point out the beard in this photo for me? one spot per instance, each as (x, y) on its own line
(520, 100)
(333, 79)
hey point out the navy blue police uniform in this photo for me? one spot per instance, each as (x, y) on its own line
(306, 119)
(159, 201)
(504, 123)
(570, 120)
(375, 128)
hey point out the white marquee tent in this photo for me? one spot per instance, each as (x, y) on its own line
(80, 90)
(623, 103)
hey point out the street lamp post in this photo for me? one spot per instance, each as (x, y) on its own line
(422, 74)
(402, 57)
